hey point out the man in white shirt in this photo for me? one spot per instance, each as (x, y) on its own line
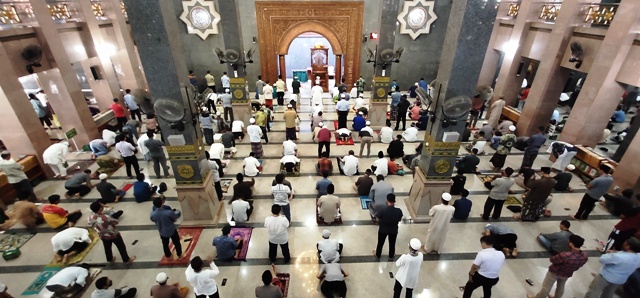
(103, 285)
(68, 280)
(237, 128)
(216, 151)
(282, 194)
(69, 242)
(55, 157)
(366, 135)
(329, 250)
(290, 163)
(109, 137)
(202, 280)
(142, 148)
(411, 134)
(15, 175)
(267, 91)
(408, 269)
(359, 104)
(241, 210)
(227, 105)
(386, 133)
(255, 137)
(380, 166)
(485, 269)
(317, 108)
(329, 206)
(289, 147)
(251, 165)
(348, 165)
(316, 95)
(226, 82)
(278, 235)
(344, 134)
(211, 81)
(130, 102)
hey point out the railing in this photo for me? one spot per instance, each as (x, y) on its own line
(549, 12)
(599, 14)
(19, 13)
(508, 10)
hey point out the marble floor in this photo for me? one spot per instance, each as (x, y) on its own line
(441, 275)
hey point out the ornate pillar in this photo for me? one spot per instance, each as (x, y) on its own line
(126, 59)
(338, 69)
(283, 67)
(61, 84)
(598, 98)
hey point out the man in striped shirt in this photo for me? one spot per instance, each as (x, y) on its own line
(563, 265)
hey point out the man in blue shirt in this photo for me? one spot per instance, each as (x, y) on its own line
(616, 268)
(462, 205)
(423, 84)
(533, 146)
(165, 222)
(227, 247)
(595, 189)
(618, 115)
(359, 122)
(142, 191)
(323, 184)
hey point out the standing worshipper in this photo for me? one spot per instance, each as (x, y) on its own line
(119, 113)
(423, 84)
(324, 140)
(156, 153)
(290, 117)
(227, 105)
(280, 88)
(395, 99)
(165, 219)
(360, 85)
(40, 110)
(539, 191)
(16, 177)
(408, 270)
(277, 226)
(499, 191)
(342, 108)
(282, 195)
(295, 85)
(260, 89)
(563, 265)
(563, 153)
(388, 219)
(105, 225)
(616, 269)
(533, 147)
(55, 157)
(211, 81)
(202, 280)
(267, 93)
(130, 102)
(496, 112)
(485, 269)
(255, 137)
(504, 147)
(378, 195)
(206, 122)
(595, 189)
(440, 217)
(128, 153)
(262, 121)
(226, 82)
(402, 106)
(316, 94)
(366, 138)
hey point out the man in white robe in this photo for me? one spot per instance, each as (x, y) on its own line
(316, 95)
(440, 217)
(496, 111)
(55, 157)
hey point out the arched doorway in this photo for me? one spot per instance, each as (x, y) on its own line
(279, 25)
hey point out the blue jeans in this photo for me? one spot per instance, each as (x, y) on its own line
(286, 210)
(545, 242)
(98, 149)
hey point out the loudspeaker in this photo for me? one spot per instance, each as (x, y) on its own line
(94, 72)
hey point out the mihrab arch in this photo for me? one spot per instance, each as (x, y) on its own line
(279, 22)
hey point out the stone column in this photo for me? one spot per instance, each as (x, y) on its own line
(61, 85)
(550, 77)
(338, 69)
(597, 100)
(126, 60)
(283, 67)
(468, 32)
(154, 26)
(21, 130)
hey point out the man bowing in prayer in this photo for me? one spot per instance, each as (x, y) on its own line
(440, 218)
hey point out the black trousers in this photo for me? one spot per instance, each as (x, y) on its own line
(122, 249)
(45, 120)
(342, 119)
(82, 190)
(476, 281)
(131, 161)
(175, 238)
(218, 187)
(264, 133)
(122, 121)
(215, 295)
(78, 247)
(402, 116)
(392, 244)
(211, 105)
(273, 250)
(496, 205)
(72, 217)
(327, 145)
(280, 98)
(208, 135)
(334, 288)
(397, 290)
(24, 189)
(586, 206)
(136, 112)
(228, 113)
(528, 158)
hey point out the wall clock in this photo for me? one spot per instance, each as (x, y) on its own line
(416, 17)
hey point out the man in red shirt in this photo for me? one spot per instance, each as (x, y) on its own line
(624, 229)
(523, 96)
(324, 139)
(56, 216)
(119, 112)
(324, 164)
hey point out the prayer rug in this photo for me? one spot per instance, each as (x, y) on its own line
(127, 186)
(93, 235)
(188, 238)
(79, 166)
(511, 200)
(284, 279)
(38, 284)
(76, 292)
(295, 173)
(245, 233)
(364, 201)
(109, 172)
(321, 222)
(225, 183)
(335, 135)
(14, 240)
(485, 177)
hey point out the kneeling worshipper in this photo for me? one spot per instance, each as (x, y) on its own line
(329, 249)
(290, 164)
(70, 242)
(329, 206)
(506, 142)
(343, 134)
(107, 164)
(227, 247)
(333, 276)
(411, 133)
(504, 238)
(68, 281)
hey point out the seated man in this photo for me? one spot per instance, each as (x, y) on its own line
(348, 165)
(56, 216)
(343, 134)
(411, 133)
(329, 206)
(394, 168)
(617, 204)
(98, 148)
(251, 165)
(164, 290)
(363, 184)
(229, 143)
(142, 190)
(289, 147)
(380, 166)
(386, 133)
(563, 179)
(290, 163)
(241, 209)
(329, 249)
(504, 239)
(78, 185)
(272, 286)
(238, 130)
(108, 192)
(479, 142)
(243, 189)
(216, 151)
(396, 148)
(359, 122)
(227, 248)
(469, 163)
(25, 213)
(102, 290)
(559, 241)
(378, 195)
(69, 280)
(462, 205)
(323, 184)
(324, 164)
(495, 141)
(107, 164)
(69, 242)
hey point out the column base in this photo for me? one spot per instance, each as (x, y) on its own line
(241, 111)
(378, 114)
(199, 203)
(423, 195)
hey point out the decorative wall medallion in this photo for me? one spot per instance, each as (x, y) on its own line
(416, 17)
(442, 166)
(201, 17)
(186, 171)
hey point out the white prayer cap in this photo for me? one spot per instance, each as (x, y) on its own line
(103, 176)
(571, 167)
(368, 123)
(204, 109)
(446, 196)
(342, 95)
(321, 124)
(512, 128)
(416, 84)
(326, 234)
(226, 90)
(218, 113)
(3, 288)
(415, 244)
(252, 120)
(289, 106)
(5, 152)
(360, 113)
(161, 277)
(564, 97)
